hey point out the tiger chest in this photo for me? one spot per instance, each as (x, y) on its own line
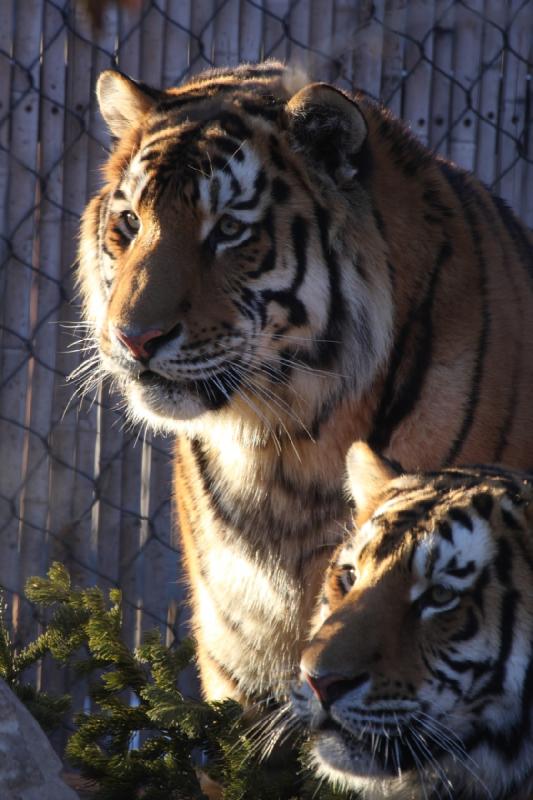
(256, 559)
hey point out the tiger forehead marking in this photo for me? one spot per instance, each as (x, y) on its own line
(421, 659)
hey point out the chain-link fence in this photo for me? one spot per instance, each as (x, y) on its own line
(76, 485)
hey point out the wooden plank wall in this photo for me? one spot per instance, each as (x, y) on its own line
(74, 483)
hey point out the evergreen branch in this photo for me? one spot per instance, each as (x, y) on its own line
(145, 739)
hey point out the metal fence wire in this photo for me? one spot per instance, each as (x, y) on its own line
(75, 484)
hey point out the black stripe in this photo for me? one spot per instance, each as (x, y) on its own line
(508, 259)
(478, 667)
(518, 234)
(478, 592)
(466, 194)
(280, 190)
(469, 629)
(299, 237)
(460, 516)
(229, 146)
(268, 109)
(510, 520)
(275, 155)
(445, 682)
(295, 307)
(259, 187)
(331, 336)
(269, 259)
(503, 562)
(414, 342)
(483, 503)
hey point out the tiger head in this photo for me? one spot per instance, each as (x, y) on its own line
(418, 679)
(211, 261)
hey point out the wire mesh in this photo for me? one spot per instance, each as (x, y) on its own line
(75, 484)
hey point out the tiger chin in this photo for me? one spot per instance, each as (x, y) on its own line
(418, 679)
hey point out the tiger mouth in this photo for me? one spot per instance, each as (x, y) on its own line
(213, 391)
(384, 749)
(224, 377)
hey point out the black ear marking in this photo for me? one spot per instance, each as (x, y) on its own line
(329, 128)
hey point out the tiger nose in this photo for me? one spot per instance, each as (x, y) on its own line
(329, 688)
(140, 346)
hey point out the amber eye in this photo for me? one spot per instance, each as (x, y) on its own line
(228, 227)
(131, 221)
(347, 577)
(439, 595)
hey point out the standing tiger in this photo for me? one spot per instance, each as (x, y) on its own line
(273, 270)
(418, 682)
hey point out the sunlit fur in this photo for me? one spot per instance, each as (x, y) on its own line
(316, 276)
(426, 627)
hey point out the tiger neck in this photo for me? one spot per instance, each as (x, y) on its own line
(271, 493)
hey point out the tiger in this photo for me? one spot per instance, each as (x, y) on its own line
(417, 680)
(272, 270)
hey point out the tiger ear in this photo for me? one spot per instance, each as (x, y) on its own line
(329, 128)
(122, 101)
(368, 474)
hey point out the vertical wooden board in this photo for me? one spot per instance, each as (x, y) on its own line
(226, 35)
(6, 70)
(109, 487)
(63, 439)
(129, 41)
(161, 567)
(368, 50)
(512, 166)
(202, 27)
(467, 55)
(16, 313)
(7, 21)
(495, 15)
(152, 39)
(177, 42)
(417, 86)
(91, 429)
(251, 31)
(323, 62)
(527, 201)
(275, 41)
(105, 516)
(98, 136)
(142, 623)
(47, 300)
(441, 94)
(345, 25)
(130, 535)
(300, 54)
(392, 71)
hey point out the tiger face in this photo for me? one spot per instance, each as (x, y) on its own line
(207, 266)
(417, 681)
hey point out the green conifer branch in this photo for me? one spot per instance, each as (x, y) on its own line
(144, 739)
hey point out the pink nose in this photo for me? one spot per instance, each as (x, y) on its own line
(329, 688)
(141, 346)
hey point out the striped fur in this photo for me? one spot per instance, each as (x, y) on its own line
(314, 276)
(425, 630)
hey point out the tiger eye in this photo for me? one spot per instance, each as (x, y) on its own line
(440, 595)
(229, 226)
(132, 221)
(347, 577)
